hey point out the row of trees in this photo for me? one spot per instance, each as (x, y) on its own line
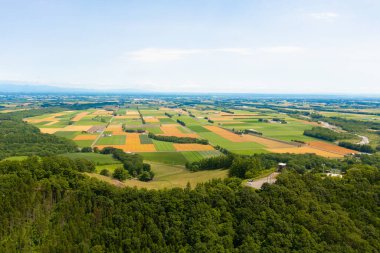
(133, 163)
(211, 163)
(47, 205)
(181, 122)
(176, 139)
(358, 147)
(326, 134)
(250, 166)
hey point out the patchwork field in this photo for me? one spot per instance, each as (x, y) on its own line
(99, 128)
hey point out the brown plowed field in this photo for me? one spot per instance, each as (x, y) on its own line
(192, 147)
(331, 148)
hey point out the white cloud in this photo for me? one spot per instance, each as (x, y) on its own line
(161, 54)
(241, 51)
(173, 54)
(282, 49)
(324, 15)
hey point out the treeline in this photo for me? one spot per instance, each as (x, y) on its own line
(48, 206)
(132, 163)
(326, 134)
(20, 138)
(181, 122)
(141, 116)
(358, 147)
(131, 130)
(349, 125)
(176, 139)
(169, 115)
(246, 167)
(211, 163)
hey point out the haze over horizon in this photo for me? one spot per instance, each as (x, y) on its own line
(193, 46)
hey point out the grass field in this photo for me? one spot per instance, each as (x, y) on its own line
(168, 176)
(98, 159)
(84, 143)
(163, 146)
(112, 140)
(173, 158)
(144, 139)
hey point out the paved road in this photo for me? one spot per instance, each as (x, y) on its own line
(100, 135)
(272, 178)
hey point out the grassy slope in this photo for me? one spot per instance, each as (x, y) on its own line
(168, 176)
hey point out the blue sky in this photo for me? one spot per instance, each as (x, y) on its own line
(266, 46)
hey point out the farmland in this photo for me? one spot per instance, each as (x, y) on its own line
(124, 128)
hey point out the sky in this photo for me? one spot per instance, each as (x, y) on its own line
(253, 46)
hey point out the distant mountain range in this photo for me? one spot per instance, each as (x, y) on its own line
(32, 89)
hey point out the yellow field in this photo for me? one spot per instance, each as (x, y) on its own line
(116, 129)
(49, 130)
(132, 144)
(52, 117)
(172, 130)
(331, 148)
(51, 123)
(132, 112)
(306, 150)
(102, 112)
(192, 147)
(75, 128)
(228, 135)
(85, 137)
(151, 119)
(79, 116)
(267, 142)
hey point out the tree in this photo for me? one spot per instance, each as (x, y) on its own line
(120, 174)
(86, 150)
(105, 172)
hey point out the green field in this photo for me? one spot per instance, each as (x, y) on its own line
(67, 134)
(84, 143)
(165, 157)
(198, 129)
(167, 121)
(163, 145)
(144, 139)
(154, 130)
(112, 140)
(169, 176)
(98, 159)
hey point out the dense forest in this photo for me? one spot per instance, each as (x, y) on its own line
(20, 138)
(48, 205)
